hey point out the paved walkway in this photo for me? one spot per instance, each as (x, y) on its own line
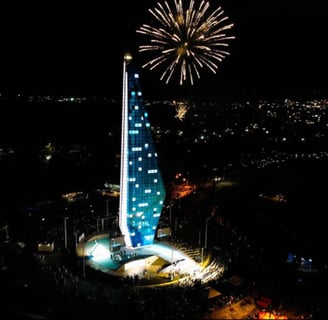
(158, 260)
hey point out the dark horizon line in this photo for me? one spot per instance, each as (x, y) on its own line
(229, 93)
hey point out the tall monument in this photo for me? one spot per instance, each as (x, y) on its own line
(142, 191)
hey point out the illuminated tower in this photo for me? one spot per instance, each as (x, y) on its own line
(142, 191)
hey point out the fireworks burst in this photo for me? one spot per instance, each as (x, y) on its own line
(181, 110)
(186, 41)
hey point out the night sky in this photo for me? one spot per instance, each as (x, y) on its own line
(280, 49)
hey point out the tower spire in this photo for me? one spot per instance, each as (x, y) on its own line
(142, 191)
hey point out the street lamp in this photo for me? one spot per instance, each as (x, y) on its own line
(6, 232)
(97, 224)
(205, 239)
(83, 258)
(76, 242)
(170, 216)
(107, 208)
(205, 242)
(65, 231)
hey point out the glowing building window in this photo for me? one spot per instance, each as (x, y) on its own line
(145, 204)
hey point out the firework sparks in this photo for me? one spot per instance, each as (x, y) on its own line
(185, 41)
(181, 110)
